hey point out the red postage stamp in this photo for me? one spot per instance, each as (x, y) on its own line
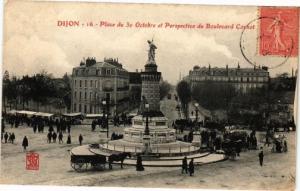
(279, 31)
(32, 161)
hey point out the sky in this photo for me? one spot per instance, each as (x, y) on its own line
(33, 42)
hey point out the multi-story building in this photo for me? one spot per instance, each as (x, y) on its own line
(93, 82)
(135, 88)
(243, 79)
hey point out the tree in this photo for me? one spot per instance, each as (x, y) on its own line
(164, 89)
(5, 86)
(65, 92)
(282, 82)
(24, 89)
(213, 95)
(11, 91)
(184, 93)
(42, 88)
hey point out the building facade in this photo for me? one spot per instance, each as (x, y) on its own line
(135, 89)
(243, 79)
(93, 82)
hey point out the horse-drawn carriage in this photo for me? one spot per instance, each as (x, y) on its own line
(82, 162)
(232, 148)
(82, 158)
(279, 143)
(234, 142)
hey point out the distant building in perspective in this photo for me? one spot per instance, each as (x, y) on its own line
(135, 88)
(242, 79)
(93, 82)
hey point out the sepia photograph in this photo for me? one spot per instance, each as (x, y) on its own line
(149, 95)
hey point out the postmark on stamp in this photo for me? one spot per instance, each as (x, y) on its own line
(32, 161)
(277, 37)
(279, 33)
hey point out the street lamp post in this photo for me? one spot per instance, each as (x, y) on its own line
(104, 119)
(147, 121)
(146, 137)
(196, 134)
(197, 110)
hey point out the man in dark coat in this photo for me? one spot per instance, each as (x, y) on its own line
(93, 125)
(49, 137)
(3, 127)
(261, 157)
(50, 127)
(54, 136)
(80, 138)
(184, 166)
(13, 137)
(25, 143)
(139, 164)
(69, 139)
(191, 167)
(60, 137)
(5, 137)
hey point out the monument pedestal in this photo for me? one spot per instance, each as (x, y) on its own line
(146, 142)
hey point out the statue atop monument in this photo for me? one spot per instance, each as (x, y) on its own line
(151, 52)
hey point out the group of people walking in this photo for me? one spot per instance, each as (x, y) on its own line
(187, 168)
(38, 124)
(8, 137)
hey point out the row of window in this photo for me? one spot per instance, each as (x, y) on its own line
(80, 108)
(84, 108)
(230, 73)
(94, 84)
(85, 95)
(94, 95)
(233, 79)
(101, 71)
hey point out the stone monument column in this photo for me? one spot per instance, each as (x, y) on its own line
(150, 80)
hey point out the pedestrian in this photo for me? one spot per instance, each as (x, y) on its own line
(93, 125)
(57, 125)
(3, 127)
(25, 143)
(60, 137)
(5, 137)
(261, 157)
(191, 167)
(13, 137)
(69, 139)
(139, 164)
(285, 147)
(49, 136)
(42, 126)
(54, 136)
(184, 166)
(80, 138)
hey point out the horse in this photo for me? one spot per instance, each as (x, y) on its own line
(118, 157)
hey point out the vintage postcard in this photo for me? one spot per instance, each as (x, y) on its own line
(149, 95)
